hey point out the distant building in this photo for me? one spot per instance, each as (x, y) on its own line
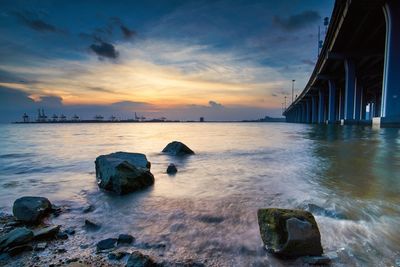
(98, 118)
(75, 118)
(54, 117)
(63, 117)
(201, 119)
(25, 118)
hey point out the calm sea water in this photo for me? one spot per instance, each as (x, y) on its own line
(207, 211)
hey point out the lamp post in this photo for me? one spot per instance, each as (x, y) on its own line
(293, 90)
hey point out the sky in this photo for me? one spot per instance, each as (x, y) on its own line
(219, 59)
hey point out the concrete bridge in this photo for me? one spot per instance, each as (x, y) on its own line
(356, 79)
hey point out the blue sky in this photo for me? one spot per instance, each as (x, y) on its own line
(224, 60)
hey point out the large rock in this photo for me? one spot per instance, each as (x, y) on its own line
(16, 237)
(137, 259)
(176, 148)
(289, 233)
(31, 209)
(47, 232)
(123, 172)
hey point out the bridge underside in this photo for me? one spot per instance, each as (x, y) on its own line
(357, 77)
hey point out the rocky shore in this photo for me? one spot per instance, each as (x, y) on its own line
(28, 237)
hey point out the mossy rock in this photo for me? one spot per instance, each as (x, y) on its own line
(289, 233)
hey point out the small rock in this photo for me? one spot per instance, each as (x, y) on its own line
(317, 260)
(40, 246)
(19, 249)
(68, 261)
(31, 209)
(125, 239)
(16, 237)
(62, 235)
(117, 255)
(89, 225)
(84, 246)
(172, 169)
(70, 231)
(61, 250)
(88, 209)
(137, 259)
(47, 232)
(176, 148)
(105, 244)
(289, 233)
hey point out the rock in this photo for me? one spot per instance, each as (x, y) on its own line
(125, 239)
(19, 249)
(92, 226)
(61, 250)
(62, 235)
(137, 259)
(16, 237)
(70, 231)
(176, 148)
(117, 255)
(317, 260)
(105, 244)
(289, 233)
(88, 209)
(172, 169)
(40, 246)
(31, 209)
(123, 173)
(47, 232)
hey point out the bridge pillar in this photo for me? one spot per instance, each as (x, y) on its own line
(340, 111)
(358, 101)
(314, 110)
(332, 102)
(390, 108)
(303, 113)
(321, 106)
(350, 84)
(308, 109)
(298, 113)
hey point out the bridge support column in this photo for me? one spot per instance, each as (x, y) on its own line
(314, 110)
(308, 109)
(390, 108)
(332, 102)
(358, 102)
(350, 85)
(321, 106)
(303, 113)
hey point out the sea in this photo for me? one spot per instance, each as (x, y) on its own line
(347, 176)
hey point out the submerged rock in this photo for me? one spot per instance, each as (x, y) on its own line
(16, 237)
(123, 172)
(172, 169)
(176, 148)
(92, 226)
(137, 259)
(31, 209)
(289, 233)
(125, 239)
(106, 244)
(117, 255)
(47, 232)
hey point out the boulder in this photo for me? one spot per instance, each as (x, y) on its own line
(47, 232)
(123, 173)
(172, 169)
(289, 233)
(137, 259)
(16, 237)
(92, 226)
(125, 239)
(106, 244)
(31, 209)
(176, 148)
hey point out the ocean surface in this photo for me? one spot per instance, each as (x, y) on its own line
(349, 177)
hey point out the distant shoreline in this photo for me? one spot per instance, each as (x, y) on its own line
(127, 121)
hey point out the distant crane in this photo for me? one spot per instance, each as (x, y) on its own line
(25, 117)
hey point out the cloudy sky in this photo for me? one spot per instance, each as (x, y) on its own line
(224, 60)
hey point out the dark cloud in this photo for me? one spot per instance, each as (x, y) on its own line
(214, 104)
(36, 24)
(296, 21)
(128, 33)
(308, 62)
(100, 89)
(105, 50)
